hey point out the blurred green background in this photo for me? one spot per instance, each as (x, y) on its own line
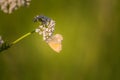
(91, 45)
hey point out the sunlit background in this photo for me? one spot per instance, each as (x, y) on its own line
(90, 48)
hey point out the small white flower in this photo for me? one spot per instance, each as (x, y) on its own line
(41, 26)
(37, 30)
(40, 33)
(1, 41)
(52, 29)
(46, 29)
(49, 30)
(44, 33)
(44, 38)
(50, 34)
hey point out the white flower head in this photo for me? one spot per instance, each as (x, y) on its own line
(8, 6)
(1, 41)
(46, 27)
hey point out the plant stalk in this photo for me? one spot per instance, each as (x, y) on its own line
(22, 37)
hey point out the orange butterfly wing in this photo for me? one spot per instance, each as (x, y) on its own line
(55, 42)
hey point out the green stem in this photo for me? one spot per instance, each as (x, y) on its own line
(22, 37)
(5, 46)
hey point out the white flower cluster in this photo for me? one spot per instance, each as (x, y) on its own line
(1, 41)
(8, 6)
(46, 29)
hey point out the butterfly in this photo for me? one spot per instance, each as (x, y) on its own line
(55, 42)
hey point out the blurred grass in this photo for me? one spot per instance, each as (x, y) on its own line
(90, 47)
